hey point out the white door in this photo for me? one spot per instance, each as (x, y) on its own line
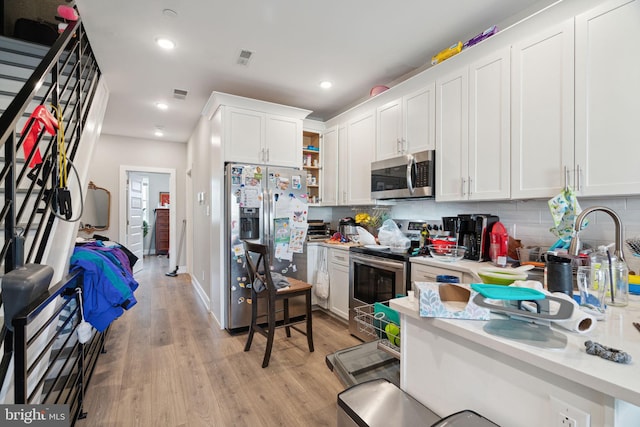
(134, 238)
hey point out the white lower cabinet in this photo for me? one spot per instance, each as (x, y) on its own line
(339, 282)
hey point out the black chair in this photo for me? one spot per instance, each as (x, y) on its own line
(257, 256)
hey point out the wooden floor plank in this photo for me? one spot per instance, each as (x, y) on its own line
(169, 365)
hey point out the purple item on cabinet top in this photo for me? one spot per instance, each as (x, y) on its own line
(483, 35)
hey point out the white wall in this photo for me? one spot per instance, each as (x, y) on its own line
(113, 151)
(200, 239)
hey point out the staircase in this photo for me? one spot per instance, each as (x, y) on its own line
(67, 76)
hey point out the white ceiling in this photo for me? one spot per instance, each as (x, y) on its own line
(357, 44)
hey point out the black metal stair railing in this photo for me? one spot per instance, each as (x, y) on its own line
(54, 368)
(64, 83)
(66, 79)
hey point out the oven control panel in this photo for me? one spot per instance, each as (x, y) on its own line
(412, 227)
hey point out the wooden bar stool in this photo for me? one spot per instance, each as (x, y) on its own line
(257, 256)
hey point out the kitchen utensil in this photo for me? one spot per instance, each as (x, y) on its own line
(447, 253)
(634, 245)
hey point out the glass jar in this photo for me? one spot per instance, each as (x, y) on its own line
(618, 295)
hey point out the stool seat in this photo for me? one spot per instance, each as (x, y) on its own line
(258, 265)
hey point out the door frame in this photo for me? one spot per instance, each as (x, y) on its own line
(122, 208)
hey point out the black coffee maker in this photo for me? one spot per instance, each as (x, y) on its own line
(472, 232)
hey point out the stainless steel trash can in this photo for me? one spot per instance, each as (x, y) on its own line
(379, 403)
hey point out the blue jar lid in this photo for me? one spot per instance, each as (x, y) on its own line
(444, 278)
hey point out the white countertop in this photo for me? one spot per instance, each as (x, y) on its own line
(622, 381)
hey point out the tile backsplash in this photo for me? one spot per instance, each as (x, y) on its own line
(530, 220)
(527, 220)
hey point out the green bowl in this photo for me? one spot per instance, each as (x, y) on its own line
(501, 278)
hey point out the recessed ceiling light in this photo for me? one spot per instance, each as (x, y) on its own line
(326, 84)
(162, 106)
(158, 133)
(165, 43)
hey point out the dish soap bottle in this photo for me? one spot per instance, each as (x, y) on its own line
(424, 236)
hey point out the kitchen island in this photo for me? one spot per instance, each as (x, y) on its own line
(451, 365)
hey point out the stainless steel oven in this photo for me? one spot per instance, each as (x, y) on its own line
(375, 276)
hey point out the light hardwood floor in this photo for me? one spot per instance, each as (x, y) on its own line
(168, 364)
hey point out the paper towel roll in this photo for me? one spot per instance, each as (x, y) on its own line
(579, 321)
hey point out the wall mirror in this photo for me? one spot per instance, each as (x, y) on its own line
(97, 204)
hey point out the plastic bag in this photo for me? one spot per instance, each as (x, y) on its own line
(321, 287)
(390, 235)
(365, 238)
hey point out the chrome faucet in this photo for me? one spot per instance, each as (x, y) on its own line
(574, 248)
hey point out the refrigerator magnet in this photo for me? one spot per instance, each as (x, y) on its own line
(296, 182)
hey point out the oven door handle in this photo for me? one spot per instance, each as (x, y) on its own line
(377, 262)
(411, 166)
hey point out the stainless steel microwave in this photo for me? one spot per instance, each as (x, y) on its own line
(404, 177)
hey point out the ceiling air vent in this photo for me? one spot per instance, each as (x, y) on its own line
(180, 94)
(244, 57)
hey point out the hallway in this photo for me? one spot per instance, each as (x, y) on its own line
(167, 364)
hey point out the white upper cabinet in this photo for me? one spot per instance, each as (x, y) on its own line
(472, 132)
(608, 99)
(330, 165)
(343, 164)
(361, 152)
(542, 108)
(256, 137)
(259, 132)
(489, 127)
(283, 141)
(452, 135)
(243, 135)
(406, 125)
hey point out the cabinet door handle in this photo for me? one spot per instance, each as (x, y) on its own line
(405, 146)
(398, 146)
(267, 154)
(566, 177)
(464, 181)
(578, 179)
(469, 186)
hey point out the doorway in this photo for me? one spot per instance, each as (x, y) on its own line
(127, 215)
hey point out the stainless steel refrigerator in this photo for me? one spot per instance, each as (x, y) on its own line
(263, 204)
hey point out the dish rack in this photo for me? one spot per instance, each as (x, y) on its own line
(372, 320)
